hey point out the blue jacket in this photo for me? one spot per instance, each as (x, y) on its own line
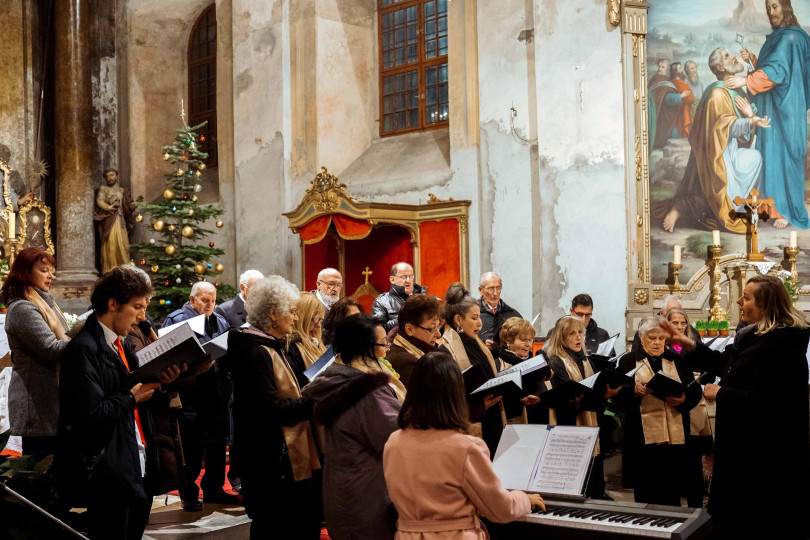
(187, 312)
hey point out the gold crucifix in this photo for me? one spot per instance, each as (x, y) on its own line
(367, 273)
(752, 206)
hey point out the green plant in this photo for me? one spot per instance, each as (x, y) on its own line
(713, 326)
(791, 287)
(723, 325)
(700, 326)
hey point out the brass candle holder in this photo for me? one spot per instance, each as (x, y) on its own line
(674, 272)
(716, 311)
(790, 255)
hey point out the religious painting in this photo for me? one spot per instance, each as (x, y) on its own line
(727, 102)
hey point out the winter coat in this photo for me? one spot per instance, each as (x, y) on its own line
(233, 311)
(33, 394)
(492, 322)
(385, 308)
(359, 412)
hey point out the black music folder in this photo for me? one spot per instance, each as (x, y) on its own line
(178, 347)
(474, 377)
(664, 386)
(323, 362)
(217, 347)
(532, 371)
(561, 395)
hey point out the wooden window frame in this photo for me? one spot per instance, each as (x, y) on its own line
(197, 117)
(420, 66)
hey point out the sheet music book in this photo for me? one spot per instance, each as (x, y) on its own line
(664, 386)
(509, 386)
(217, 347)
(606, 347)
(550, 460)
(323, 362)
(532, 370)
(178, 347)
(196, 323)
(720, 343)
(474, 377)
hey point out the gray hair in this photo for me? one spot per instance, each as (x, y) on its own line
(716, 57)
(202, 286)
(272, 292)
(487, 275)
(327, 272)
(651, 322)
(250, 275)
(671, 298)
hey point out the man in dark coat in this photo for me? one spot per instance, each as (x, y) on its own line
(100, 455)
(205, 422)
(233, 310)
(494, 311)
(386, 307)
(582, 309)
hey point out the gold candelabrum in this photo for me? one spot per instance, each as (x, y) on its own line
(675, 284)
(716, 311)
(790, 256)
(10, 242)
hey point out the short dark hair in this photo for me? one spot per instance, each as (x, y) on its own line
(582, 300)
(416, 309)
(336, 315)
(436, 398)
(20, 275)
(104, 174)
(673, 69)
(122, 284)
(355, 338)
(458, 301)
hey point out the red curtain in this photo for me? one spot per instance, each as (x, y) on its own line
(385, 246)
(348, 228)
(439, 254)
(318, 256)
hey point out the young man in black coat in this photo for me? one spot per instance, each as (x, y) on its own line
(99, 459)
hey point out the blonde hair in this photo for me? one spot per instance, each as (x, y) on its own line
(777, 309)
(309, 307)
(555, 346)
(513, 328)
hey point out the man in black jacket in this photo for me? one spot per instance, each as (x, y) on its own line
(494, 311)
(100, 450)
(582, 309)
(386, 307)
(233, 310)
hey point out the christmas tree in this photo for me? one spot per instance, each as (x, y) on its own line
(179, 256)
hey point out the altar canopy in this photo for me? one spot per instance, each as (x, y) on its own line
(341, 232)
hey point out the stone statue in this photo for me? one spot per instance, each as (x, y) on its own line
(114, 219)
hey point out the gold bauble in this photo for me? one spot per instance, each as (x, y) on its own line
(172, 227)
(139, 218)
(170, 249)
(219, 268)
(219, 223)
(190, 211)
(159, 225)
(199, 268)
(168, 194)
(155, 268)
(202, 166)
(197, 174)
(187, 231)
(166, 157)
(193, 198)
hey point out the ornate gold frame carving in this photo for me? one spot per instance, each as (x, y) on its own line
(6, 188)
(46, 226)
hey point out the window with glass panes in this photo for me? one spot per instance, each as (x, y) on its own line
(202, 81)
(413, 65)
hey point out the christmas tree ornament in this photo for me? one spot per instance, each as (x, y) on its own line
(197, 174)
(177, 266)
(151, 240)
(185, 158)
(199, 268)
(162, 302)
(139, 218)
(193, 147)
(210, 244)
(202, 138)
(190, 211)
(159, 224)
(187, 231)
(155, 268)
(202, 166)
(219, 223)
(216, 284)
(166, 157)
(178, 281)
(143, 262)
(172, 228)
(166, 283)
(193, 198)
(219, 268)
(197, 188)
(170, 249)
(190, 172)
(174, 209)
(210, 266)
(168, 302)
(185, 197)
(168, 194)
(179, 172)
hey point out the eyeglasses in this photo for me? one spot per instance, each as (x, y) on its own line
(381, 344)
(493, 289)
(433, 330)
(583, 315)
(405, 277)
(333, 285)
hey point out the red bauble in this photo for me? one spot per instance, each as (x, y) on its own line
(185, 197)
(216, 284)
(143, 261)
(210, 244)
(184, 158)
(202, 138)
(166, 283)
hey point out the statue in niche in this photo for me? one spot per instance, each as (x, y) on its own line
(15, 184)
(114, 220)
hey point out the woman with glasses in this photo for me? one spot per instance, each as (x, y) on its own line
(304, 345)
(358, 407)
(417, 332)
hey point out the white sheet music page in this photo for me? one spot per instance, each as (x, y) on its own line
(196, 323)
(178, 335)
(606, 347)
(564, 461)
(517, 454)
(495, 381)
(527, 366)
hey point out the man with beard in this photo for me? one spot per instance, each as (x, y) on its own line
(328, 287)
(695, 85)
(677, 76)
(721, 165)
(781, 89)
(233, 310)
(665, 106)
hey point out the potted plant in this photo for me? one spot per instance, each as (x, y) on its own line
(712, 328)
(3, 309)
(723, 328)
(700, 326)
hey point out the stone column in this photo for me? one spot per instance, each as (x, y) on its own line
(75, 246)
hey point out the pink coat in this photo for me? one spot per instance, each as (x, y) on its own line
(440, 481)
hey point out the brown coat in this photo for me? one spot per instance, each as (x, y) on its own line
(440, 482)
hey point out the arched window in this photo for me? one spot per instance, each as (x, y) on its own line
(202, 80)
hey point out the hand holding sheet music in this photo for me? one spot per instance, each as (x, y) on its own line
(178, 347)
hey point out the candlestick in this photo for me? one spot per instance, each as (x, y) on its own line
(716, 312)
(715, 238)
(790, 255)
(675, 270)
(676, 255)
(793, 239)
(12, 224)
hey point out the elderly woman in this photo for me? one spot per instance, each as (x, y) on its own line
(37, 336)
(304, 345)
(278, 457)
(761, 439)
(358, 407)
(655, 459)
(417, 332)
(345, 307)
(516, 338)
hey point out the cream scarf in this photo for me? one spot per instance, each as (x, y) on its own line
(300, 442)
(699, 416)
(661, 423)
(56, 321)
(408, 346)
(584, 418)
(374, 366)
(308, 355)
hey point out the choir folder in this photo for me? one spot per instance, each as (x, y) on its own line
(178, 347)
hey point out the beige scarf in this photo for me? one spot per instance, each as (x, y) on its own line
(300, 442)
(56, 321)
(411, 349)
(376, 367)
(699, 416)
(584, 418)
(308, 355)
(661, 423)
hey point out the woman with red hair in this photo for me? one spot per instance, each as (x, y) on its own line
(37, 335)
